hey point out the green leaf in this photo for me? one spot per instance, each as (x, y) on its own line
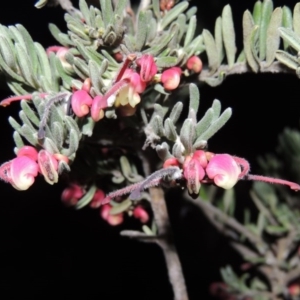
(296, 19)
(156, 9)
(211, 51)
(40, 3)
(87, 198)
(170, 130)
(287, 22)
(63, 39)
(25, 64)
(194, 97)
(121, 207)
(219, 39)
(30, 113)
(120, 8)
(249, 38)
(273, 36)
(287, 59)
(107, 12)
(44, 63)
(166, 61)
(141, 33)
(228, 35)
(205, 122)
(291, 37)
(85, 11)
(257, 12)
(163, 151)
(7, 53)
(187, 135)
(29, 47)
(190, 31)
(267, 8)
(95, 75)
(18, 140)
(172, 14)
(216, 107)
(176, 111)
(216, 126)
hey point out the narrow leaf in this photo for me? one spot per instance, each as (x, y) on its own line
(287, 22)
(228, 35)
(141, 33)
(211, 51)
(190, 31)
(194, 97)
(249, 30)
(296, 19)
(273, 36)
(291, 37)
(267, 8)
(219, 39)
(173, 14)
(287, 59)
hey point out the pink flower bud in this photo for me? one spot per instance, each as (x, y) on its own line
(147, 66)
(294, 289)
(71, 195)
(172, 161)
(48, 166)
(111, 219)
(224, 170)
(97, 199)
(200, 155)
(193, 172)
(170, 78)
(81, 102)
(135, 81)
(97, 112)
(87, 85)
(140, 213)
(194, 63)
(28, 151)
(23, 171)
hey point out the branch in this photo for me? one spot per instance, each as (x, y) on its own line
(166, 243)
(209, 210)
(240, 68)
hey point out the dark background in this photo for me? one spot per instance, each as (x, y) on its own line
(50, 252)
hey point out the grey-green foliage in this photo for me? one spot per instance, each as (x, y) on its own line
(170, 38)
(25, 63)
(62, 134)
(162, 133)
(262, 30)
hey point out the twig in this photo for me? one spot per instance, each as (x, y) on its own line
(209, 209)
(240, 68)
(164, 229)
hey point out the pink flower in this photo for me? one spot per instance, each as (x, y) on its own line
(72, 194)
(48, 166)
(170, 78)
(147, 66)
(97, 199)
(140, 213)
(111, 219)
(172, 161)
(97, 110)
(22, 173)
(194, 63)
(81, 102)
(28, 151)
(61, 53)
(224, 170)
(193, 172)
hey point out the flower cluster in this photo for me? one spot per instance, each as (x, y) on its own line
(223, 170)
(74, 193)
(21, 171)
